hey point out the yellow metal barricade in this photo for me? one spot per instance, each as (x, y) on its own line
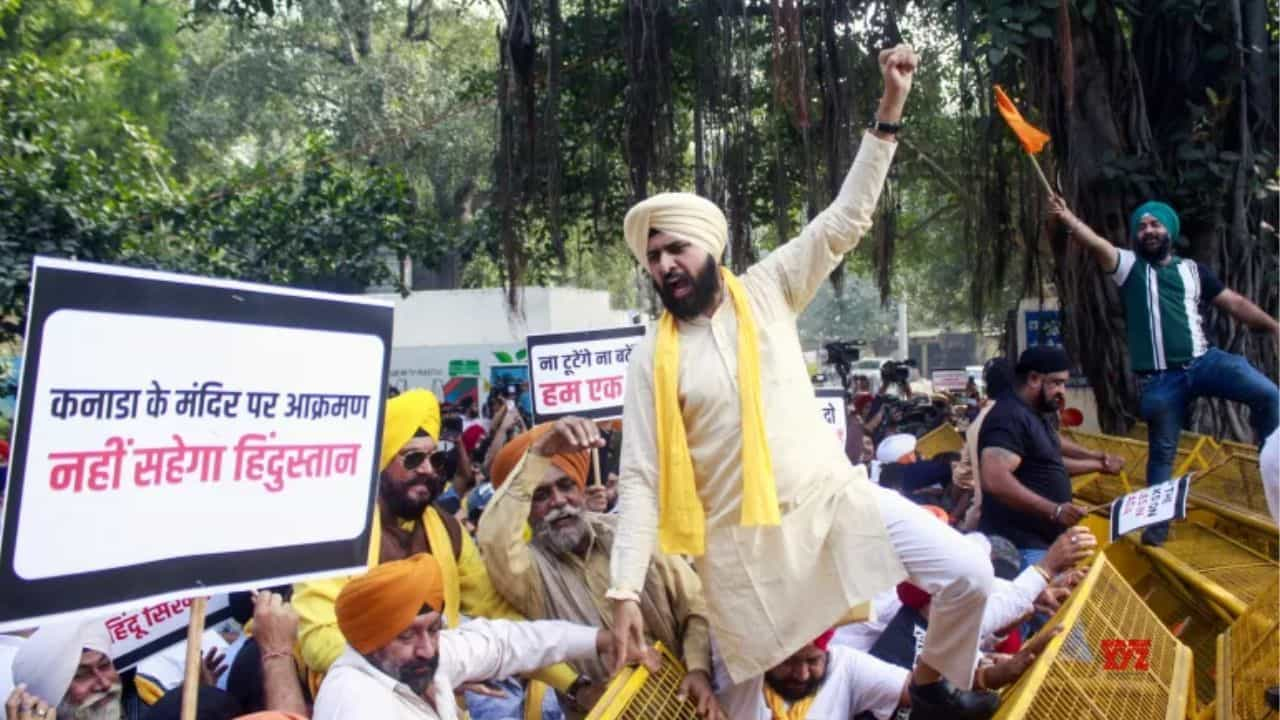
(1084, 674)
(943, 438)
(1249, 660)
(637, 694)
(1218, 568)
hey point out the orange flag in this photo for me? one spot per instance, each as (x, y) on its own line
(1031, 137)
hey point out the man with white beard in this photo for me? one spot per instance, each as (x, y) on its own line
(541, 479)
(69, 664)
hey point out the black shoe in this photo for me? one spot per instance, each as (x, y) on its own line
(943, 701)
(1156, 535)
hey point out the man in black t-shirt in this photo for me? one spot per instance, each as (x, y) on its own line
(1026, 489)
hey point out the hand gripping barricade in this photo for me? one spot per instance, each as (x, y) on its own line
(637, 694)
(1114, 660)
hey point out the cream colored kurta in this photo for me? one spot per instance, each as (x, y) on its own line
(770, 589)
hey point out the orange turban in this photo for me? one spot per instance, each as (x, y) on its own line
(405, 415)
(576, 465)
(375, 607)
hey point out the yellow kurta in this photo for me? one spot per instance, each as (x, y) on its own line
(513, 570)
(769, 589)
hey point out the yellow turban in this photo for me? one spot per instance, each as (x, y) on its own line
(577, 465)
(407, 413)
(375, 607)
(690, 216)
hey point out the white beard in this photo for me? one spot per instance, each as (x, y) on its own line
(109, 710)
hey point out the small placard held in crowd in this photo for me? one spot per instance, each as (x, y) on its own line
(831, 403)
(141, 632)
(580, 373)
(1148, 506)
(949, 380)
(179, 436)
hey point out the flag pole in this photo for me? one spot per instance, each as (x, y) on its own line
(1043, 180)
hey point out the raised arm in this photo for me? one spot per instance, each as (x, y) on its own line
(500, 536)
(1103, 251)
(799, 267)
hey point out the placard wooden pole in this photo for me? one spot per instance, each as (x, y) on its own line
(191, 679)
(595, 464)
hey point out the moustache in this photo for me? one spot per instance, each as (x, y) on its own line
(562, 513)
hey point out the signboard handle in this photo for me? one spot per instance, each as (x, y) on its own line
(191, 678)
(595, 464)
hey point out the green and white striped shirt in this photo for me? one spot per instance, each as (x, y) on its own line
(1162, 307)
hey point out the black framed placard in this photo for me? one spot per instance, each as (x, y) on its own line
(580, 373)
(179, 436)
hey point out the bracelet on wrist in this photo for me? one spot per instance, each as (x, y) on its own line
(272, 654)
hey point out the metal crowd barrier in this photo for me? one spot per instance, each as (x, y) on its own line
(1114, 660)
(637, 694)
(1249, 660)
(943, 438)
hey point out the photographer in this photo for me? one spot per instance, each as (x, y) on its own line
(893, 375)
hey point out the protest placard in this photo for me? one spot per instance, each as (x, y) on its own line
(1148, 506)
(831, 402)
(949, 380)
(179, 436)
(141, 632)
(581, 373)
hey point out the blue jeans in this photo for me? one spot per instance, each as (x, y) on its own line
(1216, 374)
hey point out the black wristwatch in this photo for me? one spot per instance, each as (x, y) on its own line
(884, 127)
(579, 684)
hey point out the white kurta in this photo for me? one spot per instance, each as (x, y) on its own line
(831, 548)
(479, 650)
(855, 683)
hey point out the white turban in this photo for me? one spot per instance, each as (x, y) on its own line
(689, 216)
(1269, 464)
(47, 661)
(894, 447)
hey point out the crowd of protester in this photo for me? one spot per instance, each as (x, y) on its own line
(489, 569)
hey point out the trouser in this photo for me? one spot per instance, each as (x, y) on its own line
(1215, 374)
(941, 562)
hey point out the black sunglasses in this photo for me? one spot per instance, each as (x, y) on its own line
(439, 457)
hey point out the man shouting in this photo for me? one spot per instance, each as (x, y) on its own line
(726, 458)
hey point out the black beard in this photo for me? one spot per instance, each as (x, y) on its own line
(1154, 256)
(810, 688)
(706, 284)
(397, 498)
(419, 682)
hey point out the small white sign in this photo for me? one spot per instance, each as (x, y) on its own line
(949, 380)
(831, 403)
(1149, 506)
(581, 373)
(142, 632)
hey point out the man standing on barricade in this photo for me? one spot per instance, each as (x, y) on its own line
(1164, 299)
(726, 458)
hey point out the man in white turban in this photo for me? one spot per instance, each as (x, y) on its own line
(725, 457)
(64, 671)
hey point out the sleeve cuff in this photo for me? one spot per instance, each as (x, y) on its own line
(580, 641)
(617, 594)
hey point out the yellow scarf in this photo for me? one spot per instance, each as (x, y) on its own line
(441, 549)
(682, 521)
(799, 710)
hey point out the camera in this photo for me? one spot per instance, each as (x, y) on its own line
(842, 354)
(896, 372)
